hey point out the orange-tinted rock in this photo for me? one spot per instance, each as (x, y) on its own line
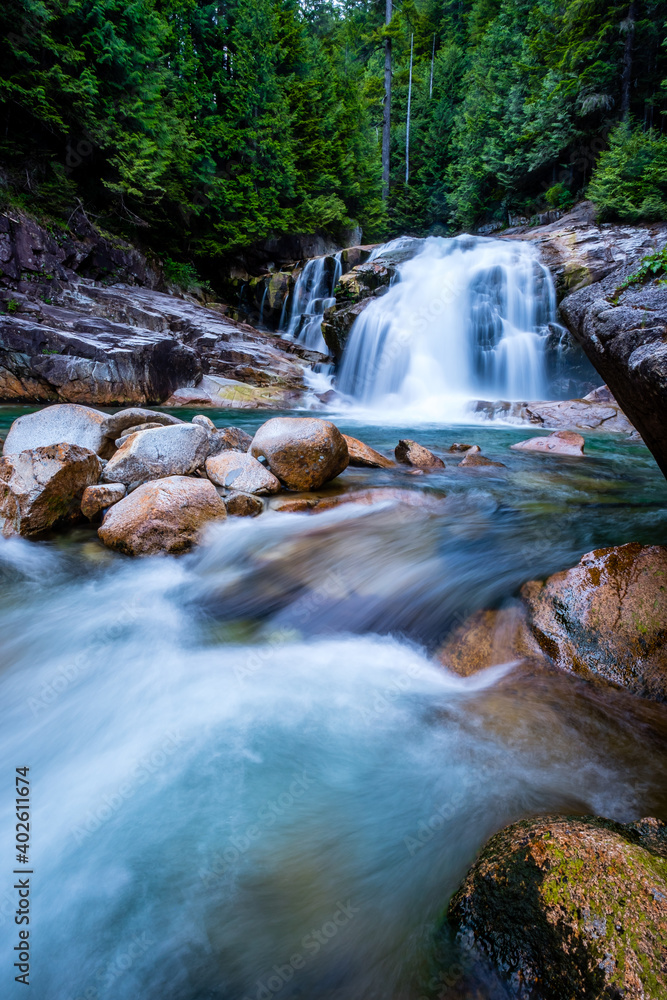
(558, 443)
(239, 471)
(607, 617)
(486, 639)
(298, 505)
(410, 453)
(458, 446)
(43, 487)
(570, 907)
(243, 505)
(303, 452)
(363, 455)
(97, 498)
(164, 515)
(473, 458)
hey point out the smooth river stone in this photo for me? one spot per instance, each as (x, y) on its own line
(241, 472)
(303, 452)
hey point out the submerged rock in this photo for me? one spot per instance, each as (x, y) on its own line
(97, 498)
(169, 451)
(564, 907)
(239, 471)
(303, 452)
(410, 453)
(43, 487)
(558, 443)
(363, 455)
(605, 618)
(166, 515)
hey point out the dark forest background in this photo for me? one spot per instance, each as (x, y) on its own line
(201, 128)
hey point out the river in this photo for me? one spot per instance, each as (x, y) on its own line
(251, 779)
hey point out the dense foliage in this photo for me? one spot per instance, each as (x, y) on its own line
(204, 126)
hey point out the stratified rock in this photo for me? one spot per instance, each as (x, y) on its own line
(243, 505)
(607, 617)
(337, 323)
(64, 422)
(303, 452)
(558, 443)
(564, 907)
(43, 487)
(162, 516)
(410, 453)
(97, 498)
(363, 455)
(239, 471)
(169, 451)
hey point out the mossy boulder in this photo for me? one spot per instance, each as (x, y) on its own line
(567, 908)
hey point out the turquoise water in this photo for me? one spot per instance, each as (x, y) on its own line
(236, 753)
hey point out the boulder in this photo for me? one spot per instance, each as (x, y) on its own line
(243, 505)
(43, 487)
(166, 515)
(558, 443)
(565, 907)
(62, 423)
(125, 420)
(229, 439)
(474, 459)
(337, 323)
(97, 498)
(458, 447)
(176, 450)
(303, 452)
(241, 472)
(363, 455)
(606, 617)
(410, 453)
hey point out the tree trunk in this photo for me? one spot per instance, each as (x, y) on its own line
(626, 77)
(407, 124)
(386, 117)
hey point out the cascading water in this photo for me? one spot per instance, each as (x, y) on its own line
(468, 317)
(313, 294)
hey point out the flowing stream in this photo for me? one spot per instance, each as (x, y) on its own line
(313, 293)
(466, 317)
(251, 779)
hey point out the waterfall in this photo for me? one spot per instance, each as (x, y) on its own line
(313, 293)
(467, 317)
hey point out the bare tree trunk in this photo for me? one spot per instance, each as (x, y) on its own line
(430, 89)
(407, 124)
(626, 77)
(386, 118)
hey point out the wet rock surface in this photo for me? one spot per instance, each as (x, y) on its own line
(604, 619)
(43, 487)
(303, 452)
(164, 516)
(559, 443)
(364, 456)
(410, 453)
(570, 907)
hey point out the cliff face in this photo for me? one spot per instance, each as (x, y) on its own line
(623, 335)
(86, 320)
